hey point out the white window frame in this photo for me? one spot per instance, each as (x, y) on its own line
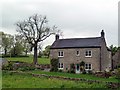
(60, 65)
(60, 54)
(78, 54)
(88, 51)
(88, 66)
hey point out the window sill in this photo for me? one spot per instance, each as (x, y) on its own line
(88, 69)
(60, 56)
(60, 68)
(88, 56)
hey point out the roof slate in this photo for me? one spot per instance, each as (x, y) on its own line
(77, 43)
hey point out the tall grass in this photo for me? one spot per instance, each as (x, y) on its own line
(15, 80)
(85, 76)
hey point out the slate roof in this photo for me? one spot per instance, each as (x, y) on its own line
(77, 43)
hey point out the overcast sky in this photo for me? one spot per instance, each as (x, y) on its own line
(75, 18)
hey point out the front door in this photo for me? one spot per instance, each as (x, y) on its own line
(77, 68)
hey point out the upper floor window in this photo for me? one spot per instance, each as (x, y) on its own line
(60, 54)
(60, 66)
(88, 66)
(88, 53)
(77, 53)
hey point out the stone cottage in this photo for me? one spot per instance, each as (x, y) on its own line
(92, 51)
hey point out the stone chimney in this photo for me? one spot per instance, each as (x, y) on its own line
(57, 37)
(102, 34)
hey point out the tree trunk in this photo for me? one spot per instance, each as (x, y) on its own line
(14, 51)
(35, 54)
(26, 52)
(5, 51)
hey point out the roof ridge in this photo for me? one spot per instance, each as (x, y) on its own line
(80, 38)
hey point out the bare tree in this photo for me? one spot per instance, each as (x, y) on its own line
(35, 29)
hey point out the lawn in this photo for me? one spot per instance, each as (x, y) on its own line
(85, 76)
(14, 80)
(42, 60)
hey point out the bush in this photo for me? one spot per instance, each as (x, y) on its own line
(89, 71)
(72, 68)
(84, 72)
(8, 67)
(118, 73)
(26, 68)
(54, 65)
(60, 70)
(15, 65)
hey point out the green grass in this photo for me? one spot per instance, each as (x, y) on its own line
(30, 60)
(14, 80)
(85, 76)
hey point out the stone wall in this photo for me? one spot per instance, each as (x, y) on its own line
(71, 57)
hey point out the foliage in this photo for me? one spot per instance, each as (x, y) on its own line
(54, 65)
(114, 49)
(82, 63)
(118, 74)
(17, 49)
(90, 72)
(26, 68)
(72, 68)
(82, 66)
(26, 46)
(8, 67)
(46, 52)
(7, 42)
(35, 29)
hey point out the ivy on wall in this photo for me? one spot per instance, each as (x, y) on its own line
(54, 64)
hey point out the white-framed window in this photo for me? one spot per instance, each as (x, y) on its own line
(60, 66)
(60, 54)
(88, 66)
(88, 53)
(77, 53)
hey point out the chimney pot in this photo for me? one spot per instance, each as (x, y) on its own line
(102, 34)
(57, 37)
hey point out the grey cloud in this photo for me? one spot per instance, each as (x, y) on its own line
(75, 16)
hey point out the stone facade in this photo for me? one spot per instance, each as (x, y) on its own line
(100, 59)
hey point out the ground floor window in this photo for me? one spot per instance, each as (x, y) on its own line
(60, 66)
(88, 66)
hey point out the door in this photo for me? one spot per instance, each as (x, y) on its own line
(77, 68)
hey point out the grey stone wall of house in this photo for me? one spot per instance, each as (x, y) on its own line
(71, 57)
(116, 59)
(105, 57)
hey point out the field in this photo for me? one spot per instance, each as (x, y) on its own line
(15, 80)
(30, 60)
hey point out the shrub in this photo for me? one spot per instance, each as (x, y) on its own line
(84, 72)
(60, 70)
(72, 68)
(25, 68)
(54, 65)
(8, 67)
(82, 66)
(118, 73)
(89, 71)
